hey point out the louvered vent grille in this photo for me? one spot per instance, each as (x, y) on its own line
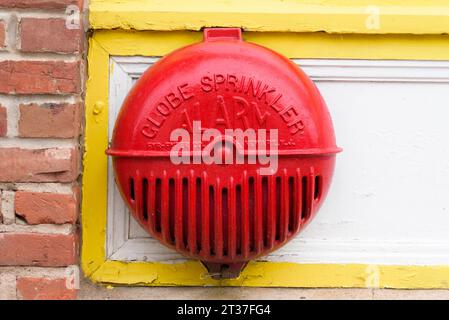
(224, 218)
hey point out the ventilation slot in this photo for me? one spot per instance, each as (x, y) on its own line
(318, 184)
(185, 212)
(145, 199)
(218, 220)
(238, 218)
(278, 208)
(132, 194)
(205, 216)
(158, 205)
(171, 209)
(304, 208)
(251, 212)
(212, 220)
(225, 219)
(291, 204)
(198, 207)
(265, 210)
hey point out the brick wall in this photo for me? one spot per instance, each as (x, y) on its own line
(42, 47)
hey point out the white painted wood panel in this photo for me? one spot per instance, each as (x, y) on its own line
(389, 201)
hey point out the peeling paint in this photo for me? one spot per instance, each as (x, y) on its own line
(330, 16)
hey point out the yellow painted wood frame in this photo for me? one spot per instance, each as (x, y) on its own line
(96, 266)
(330, 16)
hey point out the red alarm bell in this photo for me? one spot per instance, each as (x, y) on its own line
(223, 150)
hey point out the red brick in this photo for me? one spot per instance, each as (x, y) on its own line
(49, 120)
(52, 36)
(29, 288)
(36, 249)
(41, 208)
(40, 4)
(40, 165)
(39, 77)
(2, 34)
(3, 121)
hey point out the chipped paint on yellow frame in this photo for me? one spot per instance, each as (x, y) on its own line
(330, 16)
(95, 265)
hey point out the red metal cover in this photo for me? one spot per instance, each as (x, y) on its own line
(231, 100)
